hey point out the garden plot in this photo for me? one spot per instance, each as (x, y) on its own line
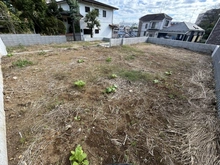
(139, 104)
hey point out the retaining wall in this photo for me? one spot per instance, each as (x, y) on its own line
(199, 47)
(216, 65)
(3, 143)
(127, 41)
(30, 39)
(3, 51)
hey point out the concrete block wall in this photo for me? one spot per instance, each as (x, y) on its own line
(3, 51)
(127, 41)
(216, 65)
(199, 47)
(30, 39)
(116, 42)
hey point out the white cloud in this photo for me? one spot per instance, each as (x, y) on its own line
(179, 10)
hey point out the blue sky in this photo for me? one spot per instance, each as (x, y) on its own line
(179, 10)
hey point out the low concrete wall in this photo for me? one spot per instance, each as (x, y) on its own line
(216, 64)
(3, 143)
(30, 39)
(127, 41)
(3, 51)
(199, 47)
(116, 42)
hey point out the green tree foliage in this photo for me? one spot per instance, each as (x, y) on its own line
(53, 10)
(211, 17)
(92, 20)
(11, 21)
(33, 16)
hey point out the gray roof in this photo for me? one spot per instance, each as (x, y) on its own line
(214, 37)
(93, 2)
(158, 16)
(183, 27)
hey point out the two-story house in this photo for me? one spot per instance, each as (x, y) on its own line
(150, 24)
(184, 31)
(105, 17)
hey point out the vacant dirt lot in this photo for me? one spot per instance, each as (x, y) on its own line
(162, 112)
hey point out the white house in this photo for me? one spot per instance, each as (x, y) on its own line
(105, 17)
(150, 24)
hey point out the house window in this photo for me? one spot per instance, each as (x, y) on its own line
(167, 23)
(87, 9)
(86, 31)
(96, 31)
(97, 11)
(153, 26)
(146, 26)
(104, 13)
(145, 33)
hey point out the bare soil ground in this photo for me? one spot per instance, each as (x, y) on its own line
(162, 113)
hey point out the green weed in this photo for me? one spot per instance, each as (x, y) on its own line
(131, 49)
(9, 55)
(130, 57)
(109, 59)
(168, 73)
(113, 76)
(133, 75)
(41, 53)
(79, 83)
(111, 89)
(22, 63)
(78, 157)
(80, 61)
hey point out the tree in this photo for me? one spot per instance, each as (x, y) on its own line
(92, 20)
(74, 14)
(53, 10)
(6, 18)
(209, 19)
(40, 18)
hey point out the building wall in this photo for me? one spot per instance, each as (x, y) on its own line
(159, 25)
(105, 29)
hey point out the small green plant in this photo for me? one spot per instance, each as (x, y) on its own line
(171, 96)
(134, 75)
(130, 57)
(79, 83)
(77, 118)
(42, 53)
(78, 157)
(22, 63)
(111, 89)
(80, 61)
(168, 73)
(22, 140)
(113, 76)
(9, 55)
(156, 81)
(109, 59)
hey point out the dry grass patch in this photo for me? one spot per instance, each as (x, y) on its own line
(169, 121)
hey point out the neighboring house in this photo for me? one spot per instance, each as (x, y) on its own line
(105, 18)
(214, 37)
(150, 24)
(184, 31)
